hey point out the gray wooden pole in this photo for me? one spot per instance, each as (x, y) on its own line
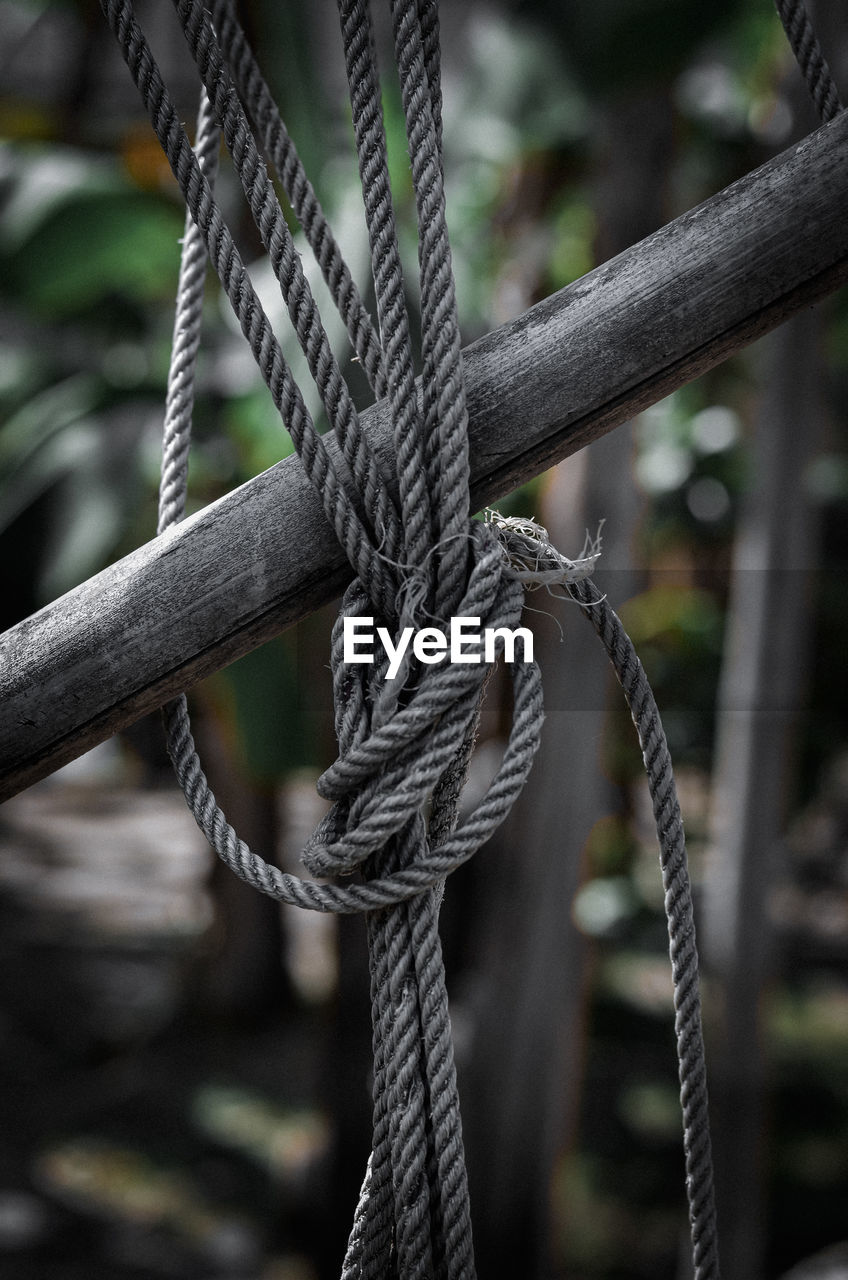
(572, 368)
(765, 664)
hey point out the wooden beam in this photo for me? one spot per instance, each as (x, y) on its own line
(573, 367)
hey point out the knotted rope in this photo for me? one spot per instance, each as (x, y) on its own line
(405, 743)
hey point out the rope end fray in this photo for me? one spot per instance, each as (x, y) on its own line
(532, 558)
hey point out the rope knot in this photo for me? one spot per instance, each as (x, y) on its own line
(401, 720)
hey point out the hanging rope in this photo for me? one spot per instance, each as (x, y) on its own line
(536, 563)
(403, 743)
(811, 60)
(179, 401)
(681, 924)
(278, 146)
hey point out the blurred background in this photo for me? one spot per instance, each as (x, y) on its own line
(184, 1068)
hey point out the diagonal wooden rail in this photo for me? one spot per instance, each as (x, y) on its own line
(573, 367)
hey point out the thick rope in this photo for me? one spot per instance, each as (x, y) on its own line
(811, 60)
(279, 147)
(445, 412)
(271, 224)
(535, 562)
(369, 130)
(681, 925)
(179, 402)
(417, 1154)
(339, 493)
(406, 741)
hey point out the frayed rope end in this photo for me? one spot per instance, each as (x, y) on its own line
(533, 559)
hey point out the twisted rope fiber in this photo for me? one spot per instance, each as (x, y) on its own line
(338, 494)
(371, 1234)
(808, 53)
(179, 401)
(226, 259)
(416, 1117)
(281, 150)
(681, 924)
(428, 12)
(445, 411)
(428, 1094)
(270, 222)
(405, 1088)
(413, 1215)
(390, 887)
(532, 559)
(369, 132)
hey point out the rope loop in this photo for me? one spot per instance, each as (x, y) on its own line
(383, 777)
(357, 828)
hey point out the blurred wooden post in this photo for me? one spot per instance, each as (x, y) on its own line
(759, 698)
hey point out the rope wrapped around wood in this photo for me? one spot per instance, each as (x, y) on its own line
(405, 743)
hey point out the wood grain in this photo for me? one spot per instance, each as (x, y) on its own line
(573, 367)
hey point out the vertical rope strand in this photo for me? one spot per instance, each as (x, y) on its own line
(277, 238)
(281, 150)
(372, 152)
(445, 411)
(341, 507)
(681, 926)
(808, 54)
(179, 400)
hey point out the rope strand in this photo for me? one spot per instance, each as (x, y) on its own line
(535, 562)
(808, 54)
(281, 150)
(179, 402)
(681, 924)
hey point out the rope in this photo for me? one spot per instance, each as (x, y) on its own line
(279, 147)
(811, 60)
(536, 563)
(405, 742)
(369, 131)
(339, 491)
(422, 1148)
(681, 925)
(179, 401)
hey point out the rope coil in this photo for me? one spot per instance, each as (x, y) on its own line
(407, 741)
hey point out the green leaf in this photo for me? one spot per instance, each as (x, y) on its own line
(72, 450)
(253, 423)
(95, 247)
(41, 417)
(86, 525)
(260, 697)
